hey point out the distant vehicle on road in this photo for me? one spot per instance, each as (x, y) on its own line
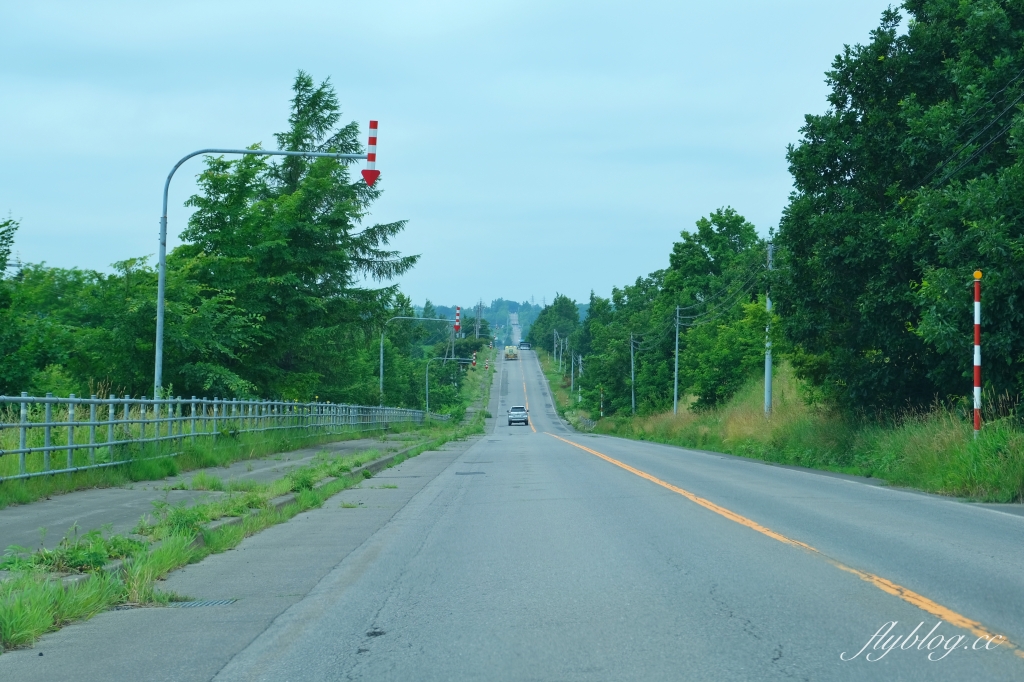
(511, 353)
(524, 345)
(518, 414)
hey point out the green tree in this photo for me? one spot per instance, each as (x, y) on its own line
(910, 181)
(714, 275)
(16, 364)
(562, 316)
(286, 240)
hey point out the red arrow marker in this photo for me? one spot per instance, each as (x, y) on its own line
(370, 175)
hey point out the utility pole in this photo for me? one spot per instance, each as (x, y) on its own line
(572, 368)
(579, 386)
(675, 387)
(768, 342)
(632, 373)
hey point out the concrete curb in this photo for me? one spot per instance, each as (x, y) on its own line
(278, 503)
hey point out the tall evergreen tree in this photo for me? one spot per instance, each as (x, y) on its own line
(287, 240)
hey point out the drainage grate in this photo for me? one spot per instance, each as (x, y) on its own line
(197, 604)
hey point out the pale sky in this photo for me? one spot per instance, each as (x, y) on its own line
(533, 147)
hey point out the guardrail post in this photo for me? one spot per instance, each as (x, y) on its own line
(111, 418)
(23, 436)
(215, 405)
(92, 429)
(172, 420)
(143, 413)
(71, 430)
(156, 414)
(47, 435)
(127, 417)
(180, 420)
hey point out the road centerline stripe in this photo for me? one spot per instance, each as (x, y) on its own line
(526, 398)
(887, 586)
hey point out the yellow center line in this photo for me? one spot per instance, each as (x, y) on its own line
(526, 398)
(887, 586)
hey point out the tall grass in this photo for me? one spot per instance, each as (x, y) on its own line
(565, 400)
(35, 601)
(931, 450)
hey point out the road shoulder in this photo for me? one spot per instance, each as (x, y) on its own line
(265, 574)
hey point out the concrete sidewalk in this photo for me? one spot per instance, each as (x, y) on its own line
(267, 573)
(121, 508)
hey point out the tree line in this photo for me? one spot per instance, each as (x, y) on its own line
(912, 179)
(267, 296)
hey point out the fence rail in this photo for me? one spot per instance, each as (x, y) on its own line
(96, 432)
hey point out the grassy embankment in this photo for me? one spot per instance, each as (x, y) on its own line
(33, 600)
(566, 405)
(142, 464)
(932, 451)
(476, 388)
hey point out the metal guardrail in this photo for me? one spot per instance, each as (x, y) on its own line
(100, 432)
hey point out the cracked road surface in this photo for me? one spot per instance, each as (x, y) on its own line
(544, 554)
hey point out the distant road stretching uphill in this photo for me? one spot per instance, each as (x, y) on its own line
(539, 553)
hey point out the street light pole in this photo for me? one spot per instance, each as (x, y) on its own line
(383, 329)
(161, 285)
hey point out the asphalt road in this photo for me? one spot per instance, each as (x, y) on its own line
(538, 553)
(531, 558)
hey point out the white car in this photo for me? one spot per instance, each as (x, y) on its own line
(518, 415)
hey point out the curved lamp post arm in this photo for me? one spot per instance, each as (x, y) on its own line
(384, 328)
(162, 267)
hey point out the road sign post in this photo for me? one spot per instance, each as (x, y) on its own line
(977, 352)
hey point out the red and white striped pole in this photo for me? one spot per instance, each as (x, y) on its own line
(371, 173)
(458, 323)
(977, 352)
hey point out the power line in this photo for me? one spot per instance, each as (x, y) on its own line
(959, 150)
